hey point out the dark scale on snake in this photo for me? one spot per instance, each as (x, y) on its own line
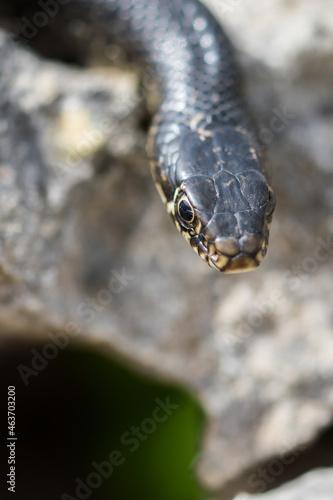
(201, 144)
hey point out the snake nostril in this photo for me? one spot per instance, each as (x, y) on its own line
(251, 243)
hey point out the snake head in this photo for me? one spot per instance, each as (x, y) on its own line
(222, 203)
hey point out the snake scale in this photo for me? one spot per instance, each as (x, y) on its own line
(201, 146)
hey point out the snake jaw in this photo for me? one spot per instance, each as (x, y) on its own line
(240, 263)
(244, 255)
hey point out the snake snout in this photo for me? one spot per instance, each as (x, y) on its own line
(251, 244)
(228, 246)
(235, 255)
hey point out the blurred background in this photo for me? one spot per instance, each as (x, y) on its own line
(109, 322)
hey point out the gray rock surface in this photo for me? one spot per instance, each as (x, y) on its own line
(316, 485)
(87, 247)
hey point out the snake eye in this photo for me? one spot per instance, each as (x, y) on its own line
(270, 202)
(185, 210)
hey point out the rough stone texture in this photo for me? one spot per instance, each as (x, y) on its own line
(317, 484)
(78, 206)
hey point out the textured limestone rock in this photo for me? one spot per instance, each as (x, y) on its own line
(86, 245)
(317, 484)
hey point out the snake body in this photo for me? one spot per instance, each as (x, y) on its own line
(201, 144)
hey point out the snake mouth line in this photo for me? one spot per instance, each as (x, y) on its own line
(241, 263)
(238, 263)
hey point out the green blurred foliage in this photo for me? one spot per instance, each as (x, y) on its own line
(154, 427)
(89, 427)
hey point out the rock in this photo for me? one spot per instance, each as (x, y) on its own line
(317, 484)
(53, 121)
(87, 246)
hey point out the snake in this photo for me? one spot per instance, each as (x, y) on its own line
(204, 156)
